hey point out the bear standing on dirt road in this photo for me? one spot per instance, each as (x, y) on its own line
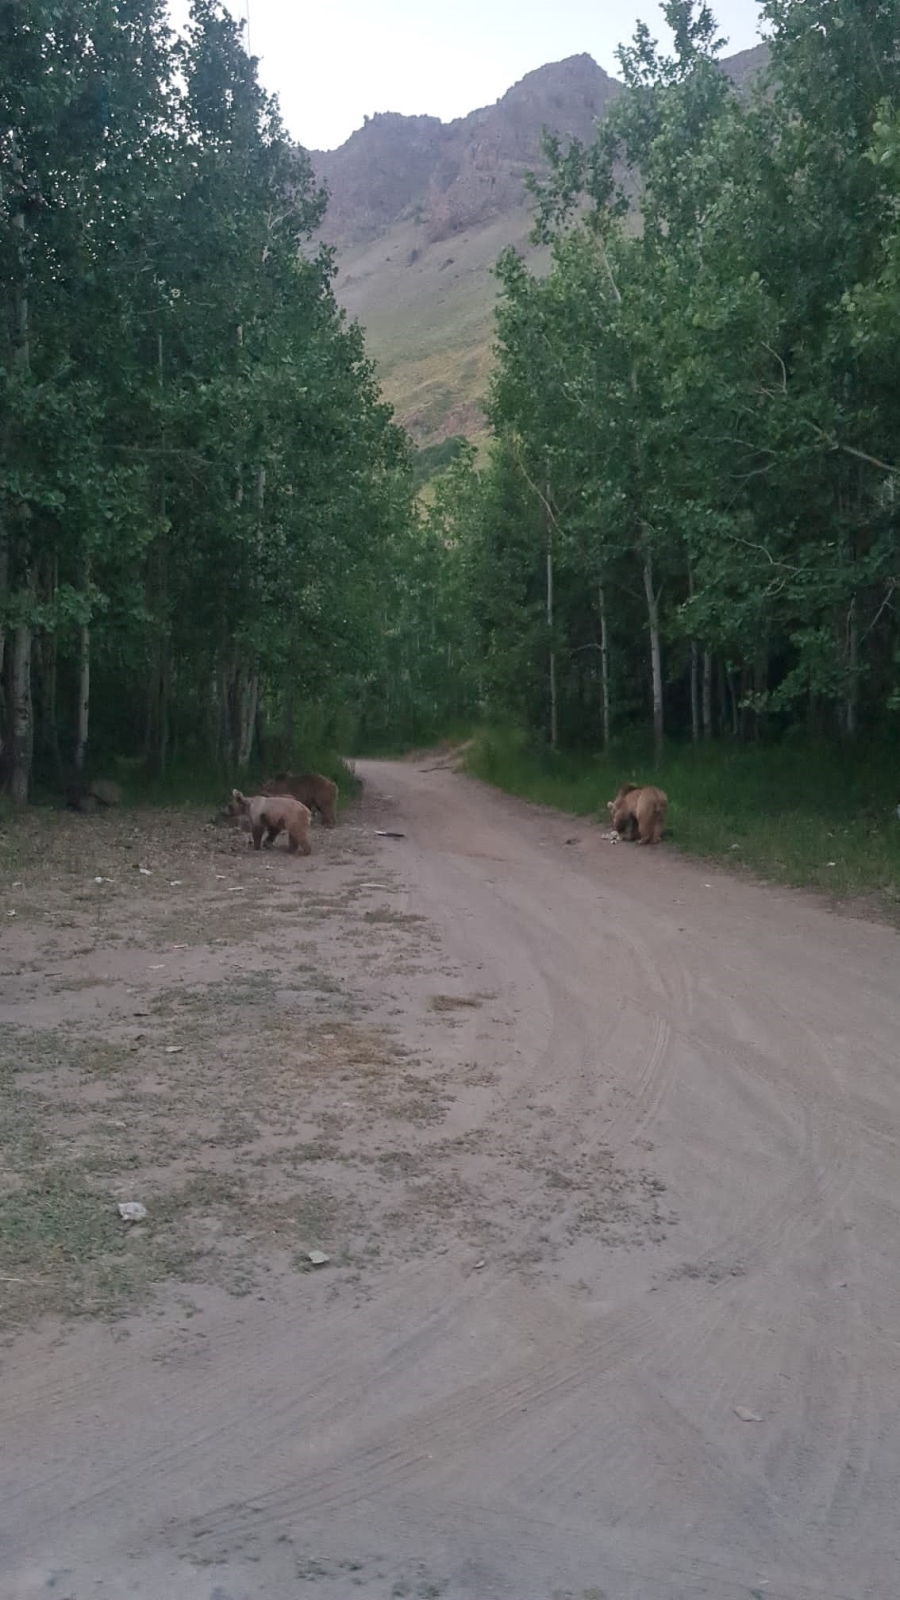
(639, 812)
(271, 814)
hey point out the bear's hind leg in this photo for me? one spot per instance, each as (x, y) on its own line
(650, 829)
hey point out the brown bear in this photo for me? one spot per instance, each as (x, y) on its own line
(88, 796)
(272, 814)
(316, 792)
(639, 812)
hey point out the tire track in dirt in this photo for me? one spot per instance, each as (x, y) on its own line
(579, 1036)
(657, 1568)
(431, 1448)
(557, 1436)
(643, 1069)
(583, 951)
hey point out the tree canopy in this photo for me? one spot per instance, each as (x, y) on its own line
(199, 483)
(691, 508)
(688, 512)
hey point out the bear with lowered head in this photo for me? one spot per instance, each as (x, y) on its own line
(639, 813)
(272, 814)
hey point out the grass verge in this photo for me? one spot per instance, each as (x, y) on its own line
(808, 815)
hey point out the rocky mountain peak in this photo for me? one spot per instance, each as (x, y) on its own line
(450, 176)
(419, 211)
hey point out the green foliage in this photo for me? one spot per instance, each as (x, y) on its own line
(199, 484)
(701, 411)
(427, 678)
(195, 781)
(434, 458)
(689, 513)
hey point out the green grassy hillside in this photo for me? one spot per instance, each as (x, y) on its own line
(419, 212)
(427, 311)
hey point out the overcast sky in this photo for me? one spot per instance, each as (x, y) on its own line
(334, 62)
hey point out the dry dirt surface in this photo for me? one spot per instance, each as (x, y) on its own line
(603, 1148)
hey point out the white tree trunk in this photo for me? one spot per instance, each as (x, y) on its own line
(707, 694)
(20, 719)
(165, 696)
(695, 674)
(4, 586)
(695, 691)
(554, 728)
(249, 693)
(84, 699)
(851, 705)
(214, 716)
(604, 665)
(733, 701)
(22, 741)
(226, 699)
(655, 655)
(289, 710)
(249, 701)
(84, 684)
(21, 350)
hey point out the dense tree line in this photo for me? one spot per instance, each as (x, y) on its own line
(200, 489)
(691, 510)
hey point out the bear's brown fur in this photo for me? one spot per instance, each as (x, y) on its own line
(88, 796)
(314, 791)
(639, 812)
(272, 814)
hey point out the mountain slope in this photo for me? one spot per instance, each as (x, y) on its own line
(419, 211)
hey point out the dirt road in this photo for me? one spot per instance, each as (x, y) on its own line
(606, 1152)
